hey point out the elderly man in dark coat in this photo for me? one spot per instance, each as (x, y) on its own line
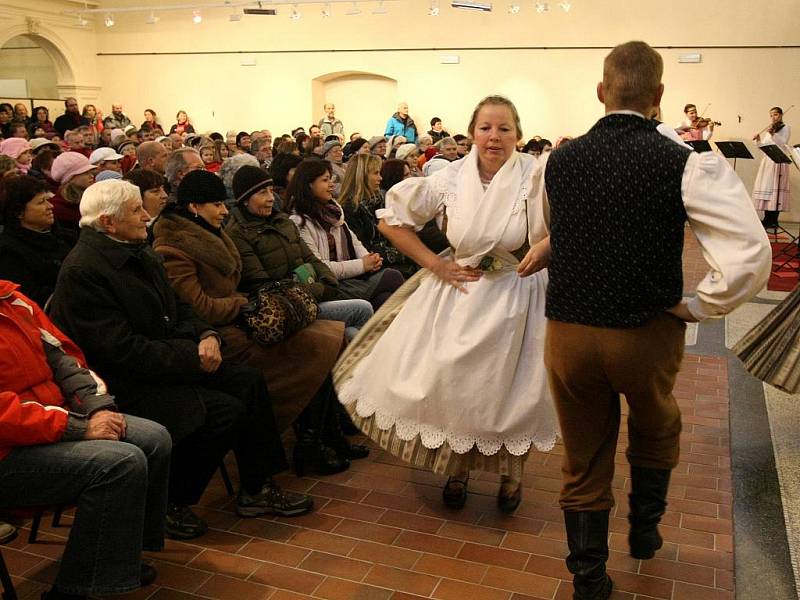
(164, 363)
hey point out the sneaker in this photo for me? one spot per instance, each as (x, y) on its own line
(272, 500)
(183, 524)
(7, 532)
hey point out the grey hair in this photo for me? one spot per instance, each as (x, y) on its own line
(448, 141)
(231, 165)
(177, 162)
(107, 198)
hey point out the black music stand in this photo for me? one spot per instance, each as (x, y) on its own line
(700, 145)
(734, 150)
(791, 250)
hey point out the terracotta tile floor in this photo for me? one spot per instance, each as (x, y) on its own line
(380, 532)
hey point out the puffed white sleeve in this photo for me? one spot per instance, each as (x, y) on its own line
(412, 203)
(731, 237)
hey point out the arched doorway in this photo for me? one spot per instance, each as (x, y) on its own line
(364, 101)
(23, 57)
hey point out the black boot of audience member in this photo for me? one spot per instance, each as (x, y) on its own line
(648, 501)
(587, 538)
(310, 452)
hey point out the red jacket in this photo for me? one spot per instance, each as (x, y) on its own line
(33, 409)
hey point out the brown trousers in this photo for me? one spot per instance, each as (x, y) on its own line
(588, 368)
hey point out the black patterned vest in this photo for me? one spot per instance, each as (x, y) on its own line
(617, 221)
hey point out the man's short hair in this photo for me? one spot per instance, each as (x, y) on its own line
(631, 76)
(146, 151)
(107, 198)
(688, 106)
(177, 162)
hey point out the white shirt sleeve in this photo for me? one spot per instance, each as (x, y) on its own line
(411, 203)
(731, 237)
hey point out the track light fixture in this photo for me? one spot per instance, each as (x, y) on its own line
(380, 9)
(81, 21)
(152, 19)
(109, 21)
(197, 18)
(326, 10)
(433, 10)
(513, 9)
(565, 6)
(353, 10)
(295, 15)
(542, 7)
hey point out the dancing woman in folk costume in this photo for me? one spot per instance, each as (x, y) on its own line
(449, 373)
(771, 188)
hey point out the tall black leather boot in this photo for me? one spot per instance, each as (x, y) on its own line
(648, 501)
(587, 537)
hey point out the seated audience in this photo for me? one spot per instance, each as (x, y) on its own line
(106, 159)
(41, 122)
(40, 168)
(448, 152)
(228, 170)
(151, 155)
(71, 119)
(8, 167)
(179, 164)
(164, 363)
(333, 153)
(32, 246)
(117, 119)
(437, 131)
(271, 250)
(74, 173)
(150, 120)
(182, 125)
(204, 268)
(208, 154)
(282, 169)
(360, 198)
(63, 441)
(322, 227)
(20, 150)
(464, 144)
(410, 155)
(395, 171)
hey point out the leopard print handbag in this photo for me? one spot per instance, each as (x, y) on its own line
(280, 309)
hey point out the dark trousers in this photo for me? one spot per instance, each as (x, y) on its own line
(228, 409)
(588, 368)
(120, 490)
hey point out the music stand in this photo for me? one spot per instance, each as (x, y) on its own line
(700, 145)
(734, 150)
(778, 156)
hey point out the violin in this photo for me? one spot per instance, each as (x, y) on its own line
(703, 122)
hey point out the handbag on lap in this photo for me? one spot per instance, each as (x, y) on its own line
(280, 309)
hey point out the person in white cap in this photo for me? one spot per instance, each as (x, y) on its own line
(74, 173)
(106, 159)
(40, 144)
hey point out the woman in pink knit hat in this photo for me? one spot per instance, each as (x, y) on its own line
(74, 173)
(20, 150)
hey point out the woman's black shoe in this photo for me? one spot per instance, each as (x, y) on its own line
(147, 574)
(309, 451)
(344, 449)
(454, 493)
(508, 504)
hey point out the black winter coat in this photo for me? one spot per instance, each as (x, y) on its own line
(32, 259)
(115, 301)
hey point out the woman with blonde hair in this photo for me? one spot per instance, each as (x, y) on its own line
(360, 196)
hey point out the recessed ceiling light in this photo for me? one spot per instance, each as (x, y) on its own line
(109, 21)
(197, 18)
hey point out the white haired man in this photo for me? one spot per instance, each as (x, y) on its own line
(164, 363)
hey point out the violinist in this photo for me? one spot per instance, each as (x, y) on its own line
(695, 127)
(771, 189)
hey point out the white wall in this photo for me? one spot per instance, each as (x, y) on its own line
(554, 88)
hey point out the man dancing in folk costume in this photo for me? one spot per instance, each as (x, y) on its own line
(616, 323)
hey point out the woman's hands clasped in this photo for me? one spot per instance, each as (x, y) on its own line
(372, 262)
(454, 274)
